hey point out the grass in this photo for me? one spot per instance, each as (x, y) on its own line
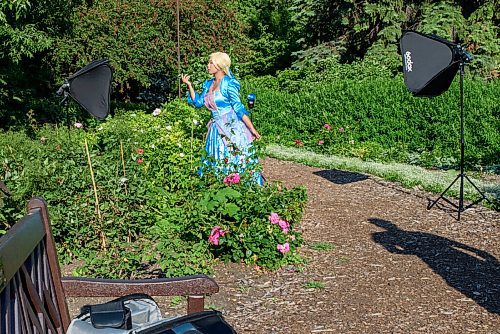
(321, 246)
(408, 176)
(176, 300)
(314, 285)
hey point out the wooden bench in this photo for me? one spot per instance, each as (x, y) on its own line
(33, 294)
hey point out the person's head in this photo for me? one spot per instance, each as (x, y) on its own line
(219, 61)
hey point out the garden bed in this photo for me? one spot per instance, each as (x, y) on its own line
(360, 286)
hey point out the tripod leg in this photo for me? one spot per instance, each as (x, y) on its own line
(442, 195)
(483, 196)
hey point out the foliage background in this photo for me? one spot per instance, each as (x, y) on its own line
(311, 63)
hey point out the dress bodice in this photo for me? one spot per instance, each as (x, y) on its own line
(222, 101)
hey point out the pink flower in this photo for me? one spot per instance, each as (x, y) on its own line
(274, 218)
(140, 151)
(232, 178)
(78, 125)
(284, 225)
(327, 126)
(139, 161)
(215, 234)
(285, 248)
(292, 237)
(321, 142)
(341, 130)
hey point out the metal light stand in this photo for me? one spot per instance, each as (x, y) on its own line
(64, 90)
(462, 176)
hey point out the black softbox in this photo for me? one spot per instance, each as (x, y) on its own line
(91, 88)
(429, 63)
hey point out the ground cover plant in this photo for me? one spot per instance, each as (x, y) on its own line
(410, 177)
(155, 212)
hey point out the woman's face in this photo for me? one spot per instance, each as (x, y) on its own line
(211, 68)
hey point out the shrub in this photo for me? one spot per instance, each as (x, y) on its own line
(149, 198)
(375, 117)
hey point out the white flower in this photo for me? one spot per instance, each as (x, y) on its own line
(99, 128)
(78, 125)
(195, 121)
(123, 180)
(181, 155)
(153, 146)
(179, 144)
(168, 127)
(133, 115)
(156, 112)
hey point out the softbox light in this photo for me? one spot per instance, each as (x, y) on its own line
(429, 63)
(429, 66)
(91, 88)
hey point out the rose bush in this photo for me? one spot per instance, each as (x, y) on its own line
(150, 197)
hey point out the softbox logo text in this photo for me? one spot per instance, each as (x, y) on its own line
(408, 62)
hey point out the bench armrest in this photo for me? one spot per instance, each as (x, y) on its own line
(195, 287)
(96, 287)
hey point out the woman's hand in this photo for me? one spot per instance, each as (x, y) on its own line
(256, 134)
(185, 79)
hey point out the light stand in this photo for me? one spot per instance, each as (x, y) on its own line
(462, 176)
(64, 90)
(429, 65)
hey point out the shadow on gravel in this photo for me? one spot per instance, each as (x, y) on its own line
(473, 272)
(340, 177)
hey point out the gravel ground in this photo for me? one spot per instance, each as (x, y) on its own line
(396, 267)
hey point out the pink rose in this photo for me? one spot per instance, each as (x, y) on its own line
(215, 234)
(284, 226)
(139, 161)
(274, 218)
(285, 248)
(140, 151)
(321, 142)
(327, 126)
(232, 179)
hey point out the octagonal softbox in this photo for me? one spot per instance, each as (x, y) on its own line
(91, 88)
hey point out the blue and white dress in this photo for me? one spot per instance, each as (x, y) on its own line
(229, 141)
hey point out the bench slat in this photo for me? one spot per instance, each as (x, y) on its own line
(17, 246)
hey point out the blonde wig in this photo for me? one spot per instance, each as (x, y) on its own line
(221, 61)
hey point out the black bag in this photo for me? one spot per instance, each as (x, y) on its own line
(206, 322)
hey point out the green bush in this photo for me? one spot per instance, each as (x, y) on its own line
(152, 199)
(375, 117)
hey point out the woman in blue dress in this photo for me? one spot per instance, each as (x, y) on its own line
(230, 130)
